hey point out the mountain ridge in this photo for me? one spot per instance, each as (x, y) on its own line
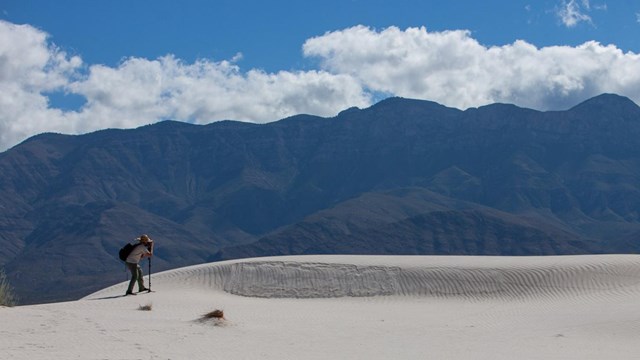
(498, 179)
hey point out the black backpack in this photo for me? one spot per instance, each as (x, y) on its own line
(126, 250)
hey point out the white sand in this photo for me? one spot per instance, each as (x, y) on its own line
(351, 307)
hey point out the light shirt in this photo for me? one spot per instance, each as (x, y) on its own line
(136, 254)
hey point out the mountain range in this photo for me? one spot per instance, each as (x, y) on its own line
(401, 177)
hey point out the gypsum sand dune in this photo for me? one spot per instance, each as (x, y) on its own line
(351, 307)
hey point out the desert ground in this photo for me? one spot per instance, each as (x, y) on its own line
(349, 307)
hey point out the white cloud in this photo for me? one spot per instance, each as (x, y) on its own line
(449, 67)
(604, 7)
(454, 69)
(29, 66)
(572, 12)
(141, 91)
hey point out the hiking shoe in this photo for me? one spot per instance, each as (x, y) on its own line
(143, 289)
(128, 293)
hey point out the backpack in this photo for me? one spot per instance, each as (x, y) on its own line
(126, 250)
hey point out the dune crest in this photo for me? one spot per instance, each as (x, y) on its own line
(431, 276)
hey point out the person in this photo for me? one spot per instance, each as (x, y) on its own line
(141, 250)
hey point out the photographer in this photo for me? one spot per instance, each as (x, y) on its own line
(142, 250)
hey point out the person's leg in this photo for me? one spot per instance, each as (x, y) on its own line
(133, 269)
(140, 280)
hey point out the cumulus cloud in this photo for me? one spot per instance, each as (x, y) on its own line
(29, 66)
(454, 69)
(449, 67)
(141, 91)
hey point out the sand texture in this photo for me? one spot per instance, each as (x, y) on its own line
(350, 307)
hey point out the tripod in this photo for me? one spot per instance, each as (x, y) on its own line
(149, 288)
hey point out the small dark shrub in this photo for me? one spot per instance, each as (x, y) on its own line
(215, 314)
(7, 296)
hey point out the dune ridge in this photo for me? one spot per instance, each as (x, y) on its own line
(473, 278)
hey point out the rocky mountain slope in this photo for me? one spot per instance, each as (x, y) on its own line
(401, 177)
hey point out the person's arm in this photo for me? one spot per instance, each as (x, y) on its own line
(149, 250)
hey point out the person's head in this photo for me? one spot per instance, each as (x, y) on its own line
(145, 239)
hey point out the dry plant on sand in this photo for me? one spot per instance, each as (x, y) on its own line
(7, 296)
(215, 316)
(145, 307)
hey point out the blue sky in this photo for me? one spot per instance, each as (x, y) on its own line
(78, 66)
